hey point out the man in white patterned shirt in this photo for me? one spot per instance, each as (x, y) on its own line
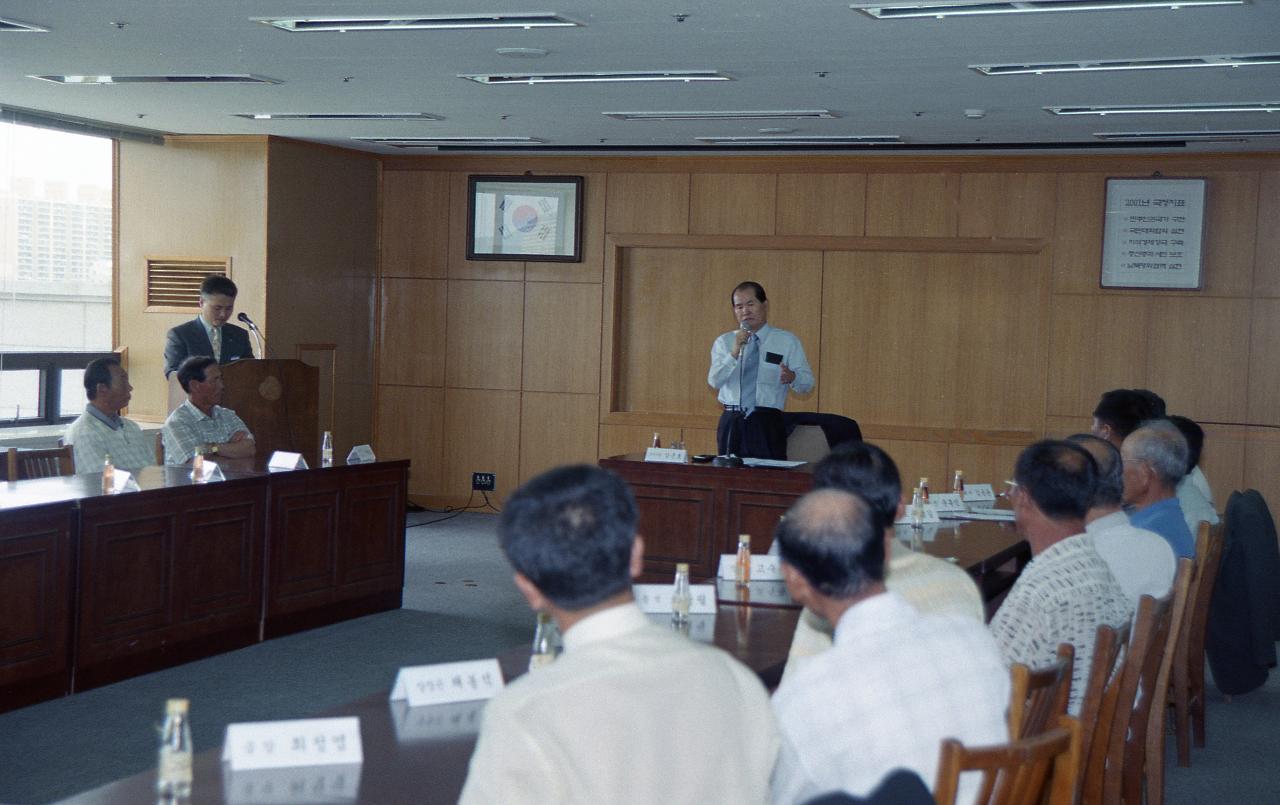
(100, 431)
(200, 425)
(895, 683)
(1067, 590)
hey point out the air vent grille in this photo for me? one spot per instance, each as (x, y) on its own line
(173, 284)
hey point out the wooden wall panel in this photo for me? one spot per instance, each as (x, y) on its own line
(485, 323)
(912, 205)
(732, 203)
(648, 202)
(1264, 368)
(1266, 266)
(562, 338)
(916, 460)
(412, 337)
(1006, 205)
(822, 204)
(1077, 244)
(1060, 427)
(981, 463)
(557, 429)
(1096, 343)
(415, 222)
(1223, 460)
(675, 302)
(459, 266)
(1262, 457)
(411, 425)
(1230, 229)
(481, 434)
(1184, 333)
(591, 269)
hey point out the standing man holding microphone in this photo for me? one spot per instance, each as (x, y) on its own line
(752, 368)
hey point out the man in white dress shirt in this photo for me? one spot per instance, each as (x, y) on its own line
(1141, 560)
(752, 368)
(100, 431)
(895, 683)
(631, 712)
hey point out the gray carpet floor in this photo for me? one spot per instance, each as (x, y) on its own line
(459, 603)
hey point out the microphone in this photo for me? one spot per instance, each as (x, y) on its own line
(253, 328)
(244, 317)
(742, 324)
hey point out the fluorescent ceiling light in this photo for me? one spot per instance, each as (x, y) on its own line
(1190, 108)
(1185, 135)
(764, 114)
(13, 26)
(891, 11)
(337, 116)
(417, 22)
(1126, 64)
(806, 139)
(599, 77)
(206, 78)
(432, 142)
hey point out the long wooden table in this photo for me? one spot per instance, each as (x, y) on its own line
(96, 588)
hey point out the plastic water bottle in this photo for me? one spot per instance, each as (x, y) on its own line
(108, 476)
(681, 597)
(742, 570)
(326, 450)
(173, 773)
(546, 642)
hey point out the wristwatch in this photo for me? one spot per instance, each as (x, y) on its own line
(211, 448)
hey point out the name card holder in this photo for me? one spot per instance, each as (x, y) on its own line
(361, 454)
(763, 567)
(441, 722)
(309, 786)
(448, 682)
(282, 461)
(930, 516)
(204, 471)
(656, 598)
(123, 481)
(978, 493)
(666, 455)
(292, 744)
(946, 502)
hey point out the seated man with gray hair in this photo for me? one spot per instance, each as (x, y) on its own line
(1155, 459)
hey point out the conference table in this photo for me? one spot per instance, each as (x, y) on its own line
(101, 587)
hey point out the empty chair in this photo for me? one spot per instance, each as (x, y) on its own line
(1154, 754)
(45, 463)
(1187, 681)
(1018, 772)
(1037, 698)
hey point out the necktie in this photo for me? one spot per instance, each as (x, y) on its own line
(750, 368)
(216, 340)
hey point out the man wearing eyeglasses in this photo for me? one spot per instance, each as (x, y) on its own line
(1155, 459)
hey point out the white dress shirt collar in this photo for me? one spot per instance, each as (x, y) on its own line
(605, 625)
(1112, 520)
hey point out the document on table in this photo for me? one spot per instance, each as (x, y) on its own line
(998, 515)
(771, 462)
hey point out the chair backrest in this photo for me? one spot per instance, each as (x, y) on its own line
(807, 443)
(1206, 577)
(1151, 757)
(1017, 772)
(1104, 672)
(46, 463)
(1037, 698)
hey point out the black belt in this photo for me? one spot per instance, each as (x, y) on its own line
(732, 408)
(739, 408)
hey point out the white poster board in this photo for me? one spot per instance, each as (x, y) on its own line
(1154, 233)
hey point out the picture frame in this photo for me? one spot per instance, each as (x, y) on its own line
(531, 218)
(1153, 234)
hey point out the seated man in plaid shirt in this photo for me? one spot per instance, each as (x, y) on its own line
(200, 425)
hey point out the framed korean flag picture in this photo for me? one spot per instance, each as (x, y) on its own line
(1153, 235)
(524, 218)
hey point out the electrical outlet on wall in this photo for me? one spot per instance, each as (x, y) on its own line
(483, 481)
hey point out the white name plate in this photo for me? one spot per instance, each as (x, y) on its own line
(666, 455)
(280, 460)
(946, 502)
(327, 784)
(656, 598)
(979, 492)
(930, 515)
(204, 471)
(757, 592)
(289, 744)
(361, 454)
(448, 682)
(763, 567)
(436, 723)
(698, 627)
(123, 481)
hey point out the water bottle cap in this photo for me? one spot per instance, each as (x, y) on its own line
(176, 707)
(682, 567)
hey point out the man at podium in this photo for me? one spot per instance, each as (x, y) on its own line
(200, 425)
(210, 333)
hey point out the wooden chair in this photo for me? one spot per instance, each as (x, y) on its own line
(46, 463)
(1037, 698)
(1104, 671)
(1018, 772)
(1187, 683)
(1157, 719)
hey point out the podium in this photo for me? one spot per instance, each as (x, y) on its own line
(277, 398)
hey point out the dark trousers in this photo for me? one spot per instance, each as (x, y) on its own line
(761, 435)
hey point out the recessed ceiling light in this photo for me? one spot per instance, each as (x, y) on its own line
(892, 11)
(599, 77)
(1185, 135)
(523, 53)
(337, 116)
(1189, 108)
(205, 78)
(13, 26)
(432, 142)
(1127, 64)
(805, 139)
(417, 22)
(761, 114)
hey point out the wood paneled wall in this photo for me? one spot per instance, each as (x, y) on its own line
(950, 305)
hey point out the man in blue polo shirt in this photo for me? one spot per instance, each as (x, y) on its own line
(1155, 459)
